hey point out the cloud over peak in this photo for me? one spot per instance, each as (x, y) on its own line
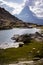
(35, 6)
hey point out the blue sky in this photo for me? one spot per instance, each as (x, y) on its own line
(15, 6)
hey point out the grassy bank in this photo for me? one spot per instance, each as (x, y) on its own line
(27, 52)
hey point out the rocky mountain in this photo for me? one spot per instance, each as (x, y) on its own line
(9, 21)
(28, 16)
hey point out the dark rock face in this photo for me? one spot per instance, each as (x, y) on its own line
(27, 38)
(23, 38)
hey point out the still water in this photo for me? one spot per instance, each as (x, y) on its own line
(5, 35)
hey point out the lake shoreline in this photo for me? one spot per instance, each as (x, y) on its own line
(6, 35)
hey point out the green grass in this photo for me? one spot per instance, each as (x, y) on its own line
(15, 54)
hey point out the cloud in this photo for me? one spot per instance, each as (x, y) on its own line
(36, 6)
(15, 1)
(15, 4)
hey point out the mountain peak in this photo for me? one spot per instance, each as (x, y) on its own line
(28, 16)
(25, 10)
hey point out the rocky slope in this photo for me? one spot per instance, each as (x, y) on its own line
(9, 21)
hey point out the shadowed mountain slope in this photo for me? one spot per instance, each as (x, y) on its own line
(9, 21)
